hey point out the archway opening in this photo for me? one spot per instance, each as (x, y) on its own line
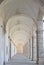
(21, 31)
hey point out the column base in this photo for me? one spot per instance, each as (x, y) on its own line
(4, 63)
(37, 62)
(32, 60)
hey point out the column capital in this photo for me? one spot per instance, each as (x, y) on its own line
(36, 31)
(1, 26)
(9, 38)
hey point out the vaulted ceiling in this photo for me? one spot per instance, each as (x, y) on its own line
(27, 7)
(21, 28)
(1, 1)
(21, 17)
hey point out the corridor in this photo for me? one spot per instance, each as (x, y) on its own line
(20, 59)
(21, 32)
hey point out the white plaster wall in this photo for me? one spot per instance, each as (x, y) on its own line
(1, 43)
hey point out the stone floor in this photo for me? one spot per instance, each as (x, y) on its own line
(22, 60)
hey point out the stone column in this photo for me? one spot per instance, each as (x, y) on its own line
(28, 49)
(32, 48)
(33, 52)
(37, 48)
(9, 48)
(40, 38)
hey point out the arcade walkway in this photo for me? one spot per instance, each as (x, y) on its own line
(21, 32)
(22, 60)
